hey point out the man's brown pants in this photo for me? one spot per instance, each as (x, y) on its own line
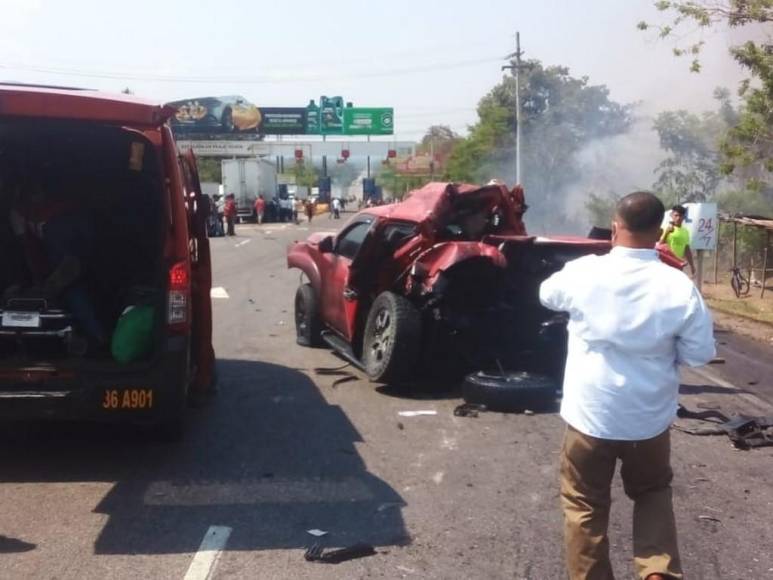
(587, 468)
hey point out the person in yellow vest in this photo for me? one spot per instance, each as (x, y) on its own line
(677, 237)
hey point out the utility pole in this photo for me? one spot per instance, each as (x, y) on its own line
(517, 66)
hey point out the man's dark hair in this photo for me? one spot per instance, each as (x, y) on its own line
(641, 211)
(680, 209)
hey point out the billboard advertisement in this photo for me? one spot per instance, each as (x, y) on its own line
(282, 121)
(234, 117)
(359, 121)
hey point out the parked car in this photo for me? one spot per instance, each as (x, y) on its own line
(446, 280)
(113, 222)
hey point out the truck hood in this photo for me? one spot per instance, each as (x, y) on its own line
(437, 204)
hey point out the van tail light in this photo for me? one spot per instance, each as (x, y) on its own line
(179, 296)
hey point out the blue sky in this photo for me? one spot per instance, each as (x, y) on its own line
(431, 60)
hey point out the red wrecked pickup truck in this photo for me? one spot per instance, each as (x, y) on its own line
(444, 282)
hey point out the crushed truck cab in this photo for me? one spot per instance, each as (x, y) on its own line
(443, 282)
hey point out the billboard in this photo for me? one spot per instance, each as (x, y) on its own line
(234, 117)
(282, 121)
(359, 121)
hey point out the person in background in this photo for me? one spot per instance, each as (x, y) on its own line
(632, 321)
(220, 213)
(230, 213)
(309, 205)
(298, 208)
(260, 208)
(336, 205)
(677, 237)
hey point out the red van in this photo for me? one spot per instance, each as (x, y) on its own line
(105, 268)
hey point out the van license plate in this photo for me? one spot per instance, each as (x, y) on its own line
(21, 320)
(130, 399)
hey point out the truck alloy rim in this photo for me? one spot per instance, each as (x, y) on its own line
(383, 334)
(300, 315)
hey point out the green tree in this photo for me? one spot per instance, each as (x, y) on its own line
(306, 175)
(747, 147)
(561, 114)
(692, 170)
(209, 169)
(439, 141)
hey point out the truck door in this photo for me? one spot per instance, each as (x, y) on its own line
(339, 300)
(198, 207)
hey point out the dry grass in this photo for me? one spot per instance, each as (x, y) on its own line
(721, 297)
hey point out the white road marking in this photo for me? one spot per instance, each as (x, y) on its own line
(416, 413)
(205, 560)
(218, 292)
(438, 477)
(243, 243)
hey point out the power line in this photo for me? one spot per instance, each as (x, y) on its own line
(248, 80)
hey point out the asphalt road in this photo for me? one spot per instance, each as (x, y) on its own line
(282, 451)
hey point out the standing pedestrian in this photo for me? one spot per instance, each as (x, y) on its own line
(297, 210)
(677, 237)
(336, 208)
(260, 208)
(309, 209)
(230, 213)
(632, 321)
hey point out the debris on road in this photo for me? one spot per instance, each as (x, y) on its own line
(745, 432)
(317, 533)
(469, 410)
(317, 554)
(710, 519)
(416, 413)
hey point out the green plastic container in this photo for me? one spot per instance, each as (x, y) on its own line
(133, 335)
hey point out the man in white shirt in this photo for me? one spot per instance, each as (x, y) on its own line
(632, 322)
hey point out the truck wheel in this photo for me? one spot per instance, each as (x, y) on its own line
(308, 325)
(392, 340)
(510, 392)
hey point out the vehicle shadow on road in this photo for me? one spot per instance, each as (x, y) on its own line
(269, 458)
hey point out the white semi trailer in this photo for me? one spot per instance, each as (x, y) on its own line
(246, 179)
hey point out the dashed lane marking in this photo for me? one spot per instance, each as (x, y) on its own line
(242, 243)
(203, 565)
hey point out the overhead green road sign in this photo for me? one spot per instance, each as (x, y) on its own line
(369, 121)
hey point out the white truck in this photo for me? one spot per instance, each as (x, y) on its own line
(246, 179)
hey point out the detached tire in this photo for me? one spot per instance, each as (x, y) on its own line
(513, 392)
(392, 340)
(308, 325)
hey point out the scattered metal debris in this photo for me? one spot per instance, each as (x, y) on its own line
(318, 554)
(745, 432)
(469, 410)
